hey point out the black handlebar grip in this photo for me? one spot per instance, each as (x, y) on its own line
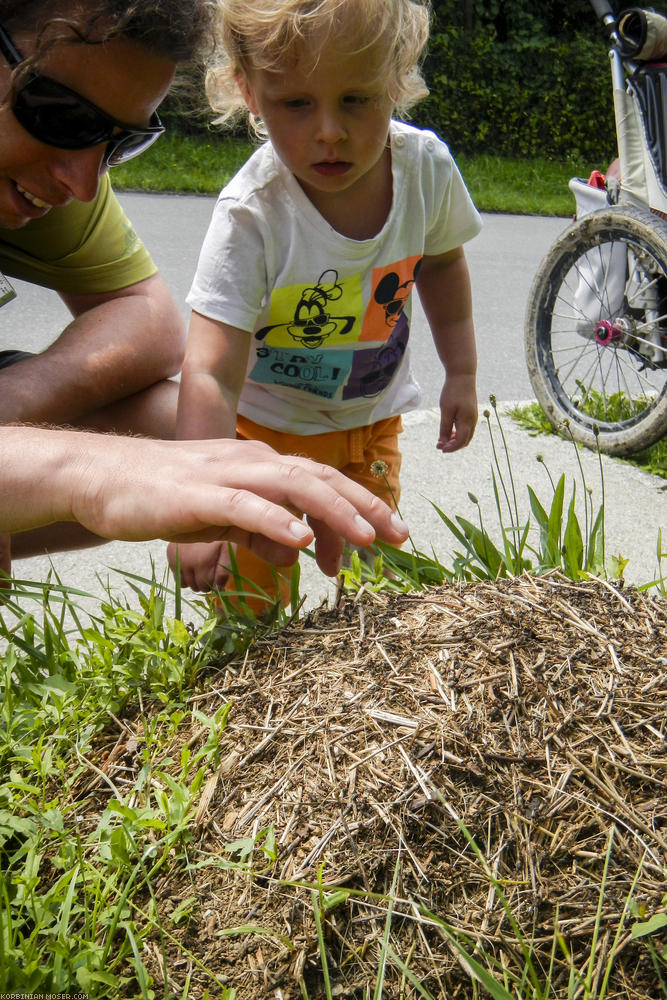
(602, 8)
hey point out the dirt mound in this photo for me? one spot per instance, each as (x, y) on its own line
(358, 745)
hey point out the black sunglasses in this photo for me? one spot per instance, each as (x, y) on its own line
(52, 113)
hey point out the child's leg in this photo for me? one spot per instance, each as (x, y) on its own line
(375, 459)
(271, 582)
(376, 464)
(355, 453)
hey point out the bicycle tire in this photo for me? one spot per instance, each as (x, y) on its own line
(596, 336)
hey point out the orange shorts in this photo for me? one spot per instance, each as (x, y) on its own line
(353, 452)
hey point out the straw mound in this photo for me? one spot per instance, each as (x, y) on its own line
(534, 710)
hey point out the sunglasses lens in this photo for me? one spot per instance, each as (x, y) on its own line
(120, 150)
(58, 116)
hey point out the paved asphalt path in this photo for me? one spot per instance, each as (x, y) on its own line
(502, 261)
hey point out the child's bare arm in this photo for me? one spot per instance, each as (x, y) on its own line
(213, 375)
(443, 284)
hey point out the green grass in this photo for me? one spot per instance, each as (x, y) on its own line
(183, 164)
(533, 418)
(203, 165)
(523, 187)
(566, 532)
(69, 912)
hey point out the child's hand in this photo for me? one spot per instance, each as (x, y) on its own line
(458, 412)
(203, 565)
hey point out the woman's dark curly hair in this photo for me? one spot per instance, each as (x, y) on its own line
(179, 30)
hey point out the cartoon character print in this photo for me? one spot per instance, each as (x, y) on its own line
(392, 294)
(373, 369)
(312, 324)
(316, 351)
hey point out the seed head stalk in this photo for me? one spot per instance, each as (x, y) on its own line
(515, 504)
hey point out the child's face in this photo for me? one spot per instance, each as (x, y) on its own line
(328, 119)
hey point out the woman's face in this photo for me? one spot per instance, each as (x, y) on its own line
(122, 78)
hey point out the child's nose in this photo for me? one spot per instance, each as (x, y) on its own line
(330, 126)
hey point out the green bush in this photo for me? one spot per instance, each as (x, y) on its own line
(526, 97)
(185, 109)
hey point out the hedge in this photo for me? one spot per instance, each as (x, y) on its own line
(549, 98)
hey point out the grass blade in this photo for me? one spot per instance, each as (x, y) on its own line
(384, 949)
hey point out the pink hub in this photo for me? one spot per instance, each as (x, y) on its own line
(607, 333)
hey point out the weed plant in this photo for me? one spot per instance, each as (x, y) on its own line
(558, 537)
(67, 918)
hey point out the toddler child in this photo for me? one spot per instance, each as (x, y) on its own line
(300, 329)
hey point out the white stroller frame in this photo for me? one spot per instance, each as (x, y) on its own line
(640, 183)
(596, 325)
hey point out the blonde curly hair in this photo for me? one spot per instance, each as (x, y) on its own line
(272, 34)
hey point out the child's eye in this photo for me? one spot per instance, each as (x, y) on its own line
(355, 99)
(296, 102)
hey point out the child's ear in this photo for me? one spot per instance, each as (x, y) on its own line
(247, 93)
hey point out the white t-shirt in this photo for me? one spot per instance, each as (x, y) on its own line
(330, 316)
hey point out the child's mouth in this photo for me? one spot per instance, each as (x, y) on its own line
(332, 169)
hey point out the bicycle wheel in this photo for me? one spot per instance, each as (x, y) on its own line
(596, 330)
